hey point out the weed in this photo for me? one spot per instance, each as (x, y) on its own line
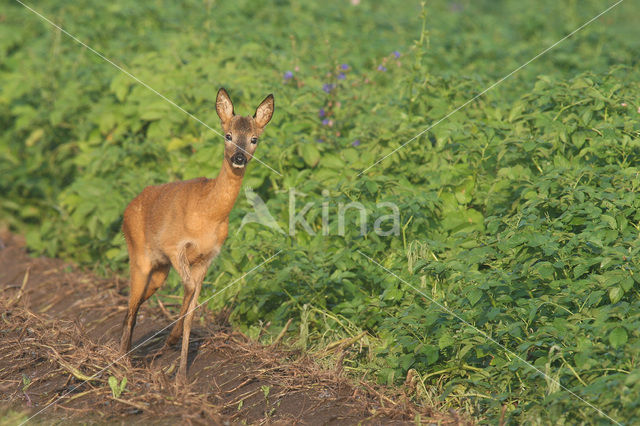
(117, 389)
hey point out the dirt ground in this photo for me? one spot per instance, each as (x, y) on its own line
(58, 339)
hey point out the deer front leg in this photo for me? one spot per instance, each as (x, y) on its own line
(181, 265)
(192, 276)
(188, 318)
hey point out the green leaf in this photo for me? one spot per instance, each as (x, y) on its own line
(34, 137)
(546, 270)
(445, 341)
(176, 143)
(609, 221)
(310, 154)
(372, 187)
(474, 295)
(618, 337)
(113, 384)
(431, 352)
(615, 294)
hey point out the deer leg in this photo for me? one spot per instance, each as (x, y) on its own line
(158, 277)
(140, 277)
(186, 333)
(181, 265)
(199, 270)
(176, 332)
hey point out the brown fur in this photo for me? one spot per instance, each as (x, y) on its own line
(184, 224)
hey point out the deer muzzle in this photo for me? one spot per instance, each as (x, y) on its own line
(238, 160)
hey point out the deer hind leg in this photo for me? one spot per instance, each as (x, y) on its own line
(140, 278)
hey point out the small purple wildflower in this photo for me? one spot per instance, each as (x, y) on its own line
(356, 142)
(288, 75)
(344, 67)
(396, 53)
(382, 68)
(321, 113)
(325, 122)
(327, 87)
(341, 76)
(320, 140)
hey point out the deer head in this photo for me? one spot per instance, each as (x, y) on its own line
(241, 133)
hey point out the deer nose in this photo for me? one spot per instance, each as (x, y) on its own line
(239, 159)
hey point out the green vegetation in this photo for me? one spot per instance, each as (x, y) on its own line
(117, 388)
(519, 212)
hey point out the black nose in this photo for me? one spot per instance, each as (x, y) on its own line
(239, 159)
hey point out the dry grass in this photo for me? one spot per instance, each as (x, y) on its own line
(58, 350)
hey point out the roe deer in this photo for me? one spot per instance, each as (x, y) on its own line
(183, 224)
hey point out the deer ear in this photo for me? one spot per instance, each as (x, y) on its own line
(264, 112)
(224, 106)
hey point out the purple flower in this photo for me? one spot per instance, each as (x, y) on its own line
(321, 113)
(341, 76)
(382, 68)
(356, 142)
(319, 140)
(325, 122)
(344, 67)
(327, 87)
(396, 53)
(288, 75)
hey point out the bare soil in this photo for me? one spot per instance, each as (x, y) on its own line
(59, 329)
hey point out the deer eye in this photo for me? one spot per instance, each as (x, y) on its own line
(228, 137)
(254, 140)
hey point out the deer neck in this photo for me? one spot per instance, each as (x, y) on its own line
(224, 191)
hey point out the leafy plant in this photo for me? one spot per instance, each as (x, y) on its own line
(26, 382)
(517, 212)
(265, 391)
(117, 389)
